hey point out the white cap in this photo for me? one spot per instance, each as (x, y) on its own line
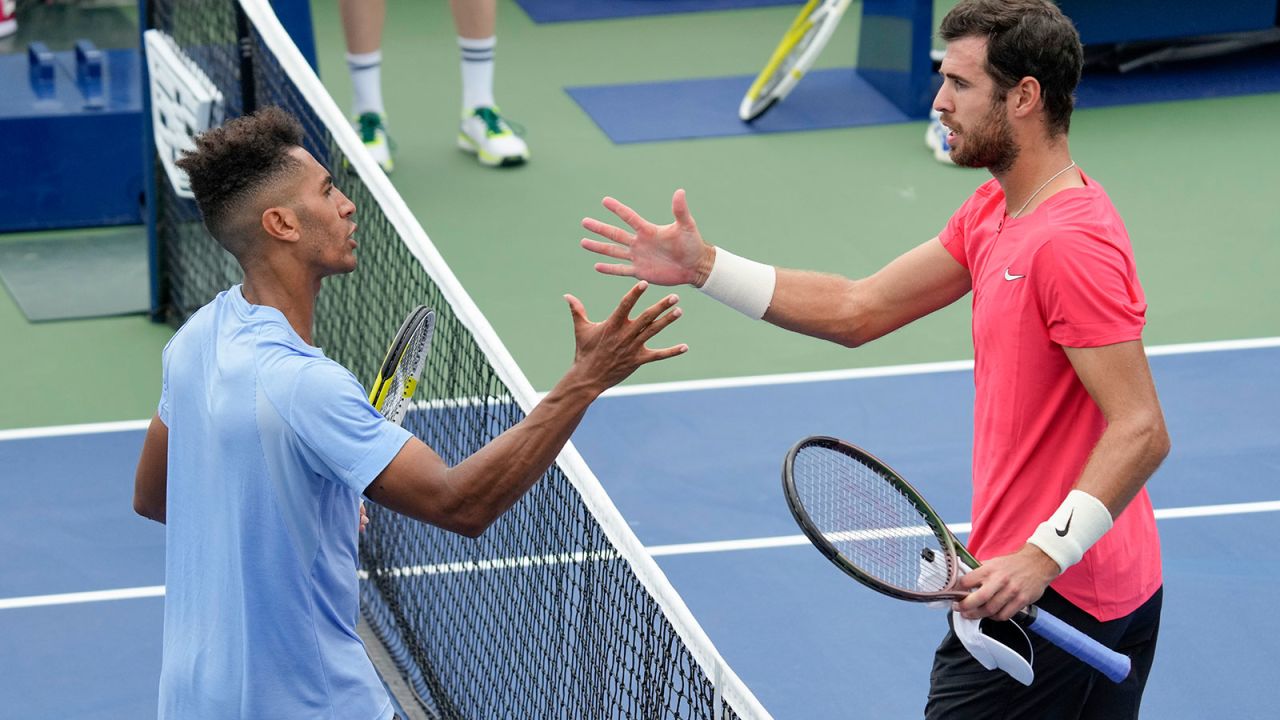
(978, 637)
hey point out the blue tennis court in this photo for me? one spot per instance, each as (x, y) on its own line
(694, 467)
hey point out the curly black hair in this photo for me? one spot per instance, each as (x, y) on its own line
(233, 163)
(1025, 38)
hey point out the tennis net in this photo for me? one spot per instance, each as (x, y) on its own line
(557, 611)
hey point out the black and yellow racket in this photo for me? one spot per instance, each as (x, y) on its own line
(793, 57)
(407, 355)
(875, 527)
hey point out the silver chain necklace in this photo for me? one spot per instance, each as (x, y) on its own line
(1037, 192)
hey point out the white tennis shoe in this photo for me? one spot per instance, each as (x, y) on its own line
(492, 139)
(8, 23)
(935, 138)
(373, 133)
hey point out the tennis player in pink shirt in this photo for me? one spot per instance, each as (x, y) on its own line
(1067, 423)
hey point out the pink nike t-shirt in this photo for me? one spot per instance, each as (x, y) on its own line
(1062, 275)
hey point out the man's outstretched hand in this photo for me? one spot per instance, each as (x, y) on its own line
(673, 254)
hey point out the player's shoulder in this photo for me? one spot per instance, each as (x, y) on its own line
(299, 381)
(1086, 208)
(1086, 235)
(986, 200)
(987, 189)
(199, 328)
(282, 356)
(984, 195)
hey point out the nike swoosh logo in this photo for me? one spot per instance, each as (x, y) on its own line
(1007, 276)
(1065, 528)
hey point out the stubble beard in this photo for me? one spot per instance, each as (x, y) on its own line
(990, 145)
(321, 248)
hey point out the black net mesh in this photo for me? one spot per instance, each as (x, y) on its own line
(539, 618)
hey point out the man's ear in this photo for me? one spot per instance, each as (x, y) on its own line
(1025, 97)
(282, 223)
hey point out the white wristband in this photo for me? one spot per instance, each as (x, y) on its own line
(1073, 528)
(744, 285)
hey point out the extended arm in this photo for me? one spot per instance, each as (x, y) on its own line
(1133, 445)
(468, 497)
(852, 312)
(831, 307)
(151, 481)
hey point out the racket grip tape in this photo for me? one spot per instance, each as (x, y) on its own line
(1089, 651)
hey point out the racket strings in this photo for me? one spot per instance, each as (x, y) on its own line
(404, 377)
(870, 522)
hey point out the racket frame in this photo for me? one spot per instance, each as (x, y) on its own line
(777, 79)
(420, 317)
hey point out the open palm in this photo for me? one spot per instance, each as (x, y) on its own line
(661, 254)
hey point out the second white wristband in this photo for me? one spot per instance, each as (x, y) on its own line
(742, 284)
(1073, 528)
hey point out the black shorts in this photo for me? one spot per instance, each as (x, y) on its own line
(1064, 688)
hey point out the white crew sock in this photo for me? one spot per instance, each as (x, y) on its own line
(477, 72)
(366, 82)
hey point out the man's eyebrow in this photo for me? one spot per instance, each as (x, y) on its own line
(328, 180)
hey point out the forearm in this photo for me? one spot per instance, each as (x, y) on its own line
(491, 480)
(1129, 450)
(468, 497)
(1126, 455)
(1124, 458)
(852, 312)
(820, 305)
(824, 306)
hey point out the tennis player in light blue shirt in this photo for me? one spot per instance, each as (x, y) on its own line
(276, 443)
(262, 447)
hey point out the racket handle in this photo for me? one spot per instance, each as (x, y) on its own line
(1089, 651)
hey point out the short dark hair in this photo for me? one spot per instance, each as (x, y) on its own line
(232, 163)
(1025, 38)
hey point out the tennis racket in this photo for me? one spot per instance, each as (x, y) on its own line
(793, 57)
(875, 527)
(398, 376)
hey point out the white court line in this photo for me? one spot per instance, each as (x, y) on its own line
(757, 543)
(1218, 346)
(81, 597)
(957, 528)
(85, 429)
(896, 370)
(687, 385)
(655, 550)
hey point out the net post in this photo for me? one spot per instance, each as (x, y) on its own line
(149, 213)
(248, 96)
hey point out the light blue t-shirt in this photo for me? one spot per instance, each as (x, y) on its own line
(270, 446)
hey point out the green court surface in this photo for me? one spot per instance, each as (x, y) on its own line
(45, 272)
(78, 371)
(1195, 182)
